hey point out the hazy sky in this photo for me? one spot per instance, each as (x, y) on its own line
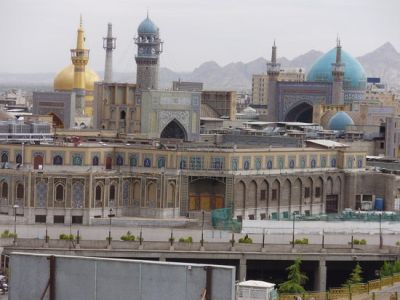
(36, 35)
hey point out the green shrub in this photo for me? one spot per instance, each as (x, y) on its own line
(245, 240)
(359, 242)
(128, 237)
(303, 241)
(188, 240)
(398, 243)
(66, 237)
(7, 234)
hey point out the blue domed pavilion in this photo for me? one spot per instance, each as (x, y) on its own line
(340, 121)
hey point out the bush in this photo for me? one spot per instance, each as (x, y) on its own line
(398, 243)
(303, 241)
(66, 237)
(245, 240)
(359, 242)
(7, 234)
(128, 237)
(188, 240)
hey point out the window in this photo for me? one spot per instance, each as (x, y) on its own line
(217, 163)
(58, 219)
(262, 196)
(263, 216)
(161, 162)
(306, 192)
(358, 202)
(77, 219)
(57, 160)
(133, 161)
(333, 162)
(112, 193)
(313, 163)
(76, 160)
(246, 164)
(95, 160)
(318, 192)
(59, 193)
(234, 164)
(18, 160)
(4, 190)
(258, 163)
(182, 164)
(147, 162)
(4, 157)
(269, 164)
(40, 219)
(274, 194)
(382, 145)
(98, 193)
(251, 217)
(20, 191)
(196, 163)
(291, 164)
(239, 218)
(120, 160)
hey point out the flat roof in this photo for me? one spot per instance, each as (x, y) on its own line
(328, 143)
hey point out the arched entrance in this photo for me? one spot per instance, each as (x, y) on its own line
(206, 193)
(174, 130)
(38, 162)
(57, 122)
(302, 112)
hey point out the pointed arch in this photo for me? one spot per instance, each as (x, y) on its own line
(59, 192)
(252, 195)
(4, 189)
(136, 194)
(174, 130)
(286, 193)
(301, 112)
(151, 200)
(240, 195)
(296, 198)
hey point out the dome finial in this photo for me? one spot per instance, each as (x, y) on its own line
(338, 40)
(147, 13)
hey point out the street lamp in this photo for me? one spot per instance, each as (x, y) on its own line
(15, 206)
(110, 215)
(294, 218)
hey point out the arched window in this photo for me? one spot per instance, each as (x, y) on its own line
(147, 162)
(57, 160)
(333, 163)
(108, 163)
(60, 192)
(4, 157)
(183, 164)
(76, 160)
(20, 191)
(313, 163)
(95, 161)
(161, 162)
(77, 195)
(133, 161)
(120, 160)
(98, 193)
(4, 190)
(18, 159)
(112, 193)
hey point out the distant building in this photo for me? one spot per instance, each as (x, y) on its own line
(187, 86)
(222, 102)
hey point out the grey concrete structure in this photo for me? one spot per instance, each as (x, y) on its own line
(109, 45)
(392, 137)
(104, 279)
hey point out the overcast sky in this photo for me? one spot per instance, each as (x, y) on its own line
(36, 35)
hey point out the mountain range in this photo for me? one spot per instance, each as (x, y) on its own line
(383, 62)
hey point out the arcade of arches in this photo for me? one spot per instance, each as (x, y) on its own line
(206, 193)
(277, 198)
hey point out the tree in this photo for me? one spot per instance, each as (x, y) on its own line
(386, 269)
(355, 276)
(295, 281)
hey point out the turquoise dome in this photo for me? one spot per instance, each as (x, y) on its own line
(339, 121)
(354, 74)
(147, 26)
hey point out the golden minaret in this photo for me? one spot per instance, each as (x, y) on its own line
(80, 58)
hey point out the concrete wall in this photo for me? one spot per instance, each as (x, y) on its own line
(92, 278)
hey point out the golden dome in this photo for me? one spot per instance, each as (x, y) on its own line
(64, 81)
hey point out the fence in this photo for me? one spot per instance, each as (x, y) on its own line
(365, 291)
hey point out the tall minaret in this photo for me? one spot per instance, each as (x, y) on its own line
(80, 58)
(148, 55)
(273, 70)
(338, 75)
(109, 44)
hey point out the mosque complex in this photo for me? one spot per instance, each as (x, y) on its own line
(141, 150)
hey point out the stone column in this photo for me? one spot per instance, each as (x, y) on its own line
(320, 276)
(242, 269)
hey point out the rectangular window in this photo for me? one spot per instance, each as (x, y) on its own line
(317, 192)
(196, 163)
(358, 202)
(58, 219)
(77, 219)
(239, 218)
(217, 163)
(40, 219)
(263, 216)
(262, 196)
(251, 217)
(307, 192)
(274, 194)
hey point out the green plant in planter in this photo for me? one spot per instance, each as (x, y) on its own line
(245, 240)
(128, 237)
(66, 237)
(303, 241)
(7, 234)
(359, 242)
(188, 240)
